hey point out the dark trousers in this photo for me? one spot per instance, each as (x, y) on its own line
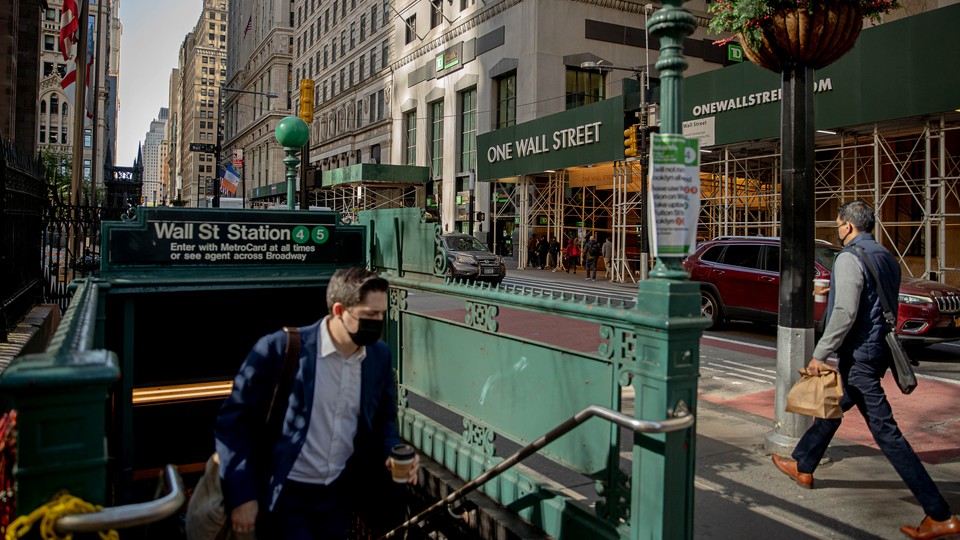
(861, 387)
(591, 263)
(310, 512)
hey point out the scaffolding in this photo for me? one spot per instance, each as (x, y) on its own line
(627, 211)
(352, 198)
(909, 170)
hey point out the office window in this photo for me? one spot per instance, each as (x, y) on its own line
(436, 138)
(50, 14)
(325, 54)
(54, 104)
(506, 101)
(343, 42)
(343, 8)
(373, 61)
(386, 12)
(436, 13)
(43, 106)
(326, 20)
(384, 53)
(359, 119)
(376, 106)
(353, 35)
(464, 4)
(43, 134)
(333, 51)
(343, 79)
(410, 122)
(361, 68)
(583, 87)
(324, 90)
(351, 73)
(48, 43)
(411, 33)
(47, 69)
(87, 138)
(363, 27)
(373, 18)
(468, 129)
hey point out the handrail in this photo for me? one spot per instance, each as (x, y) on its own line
(130, 515)
(681, 418)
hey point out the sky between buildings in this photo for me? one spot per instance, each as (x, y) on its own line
(152, 35)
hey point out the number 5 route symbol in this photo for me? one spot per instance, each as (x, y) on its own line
(320, 234)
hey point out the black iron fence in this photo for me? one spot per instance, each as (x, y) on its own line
(46, 243)
(22, 201)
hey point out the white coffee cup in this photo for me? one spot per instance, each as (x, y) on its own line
(820, 287)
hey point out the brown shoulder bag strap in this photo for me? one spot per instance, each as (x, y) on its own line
(281, 392)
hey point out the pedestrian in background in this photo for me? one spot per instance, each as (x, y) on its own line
(607, 254)
(553, 253)
(591, 254)
(572, 253)
(542, 249)
(855, 330)
(330, 457)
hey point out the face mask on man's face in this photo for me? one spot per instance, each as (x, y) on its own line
(368, 330)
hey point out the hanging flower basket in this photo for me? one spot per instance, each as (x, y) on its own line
(780, 33)
(798, 37)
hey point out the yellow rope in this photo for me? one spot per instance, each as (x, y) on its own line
(48, 515)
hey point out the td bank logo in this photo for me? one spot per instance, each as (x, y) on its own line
(734, 53)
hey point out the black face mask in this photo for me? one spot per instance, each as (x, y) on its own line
(844, 237)
(368, 331)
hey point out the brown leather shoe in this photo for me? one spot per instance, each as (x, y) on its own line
(930, 529)
(789, 468)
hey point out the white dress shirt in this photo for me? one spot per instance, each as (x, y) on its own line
(335, 413)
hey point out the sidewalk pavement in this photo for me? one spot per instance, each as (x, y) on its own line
(857, 495)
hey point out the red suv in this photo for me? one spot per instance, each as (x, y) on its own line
(740, 279)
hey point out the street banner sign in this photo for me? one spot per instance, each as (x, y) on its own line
(674, 194)
(203, 147)
(238, 157)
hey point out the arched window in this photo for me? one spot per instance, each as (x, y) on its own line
(43, 106)
(54, 104)
(64, 109)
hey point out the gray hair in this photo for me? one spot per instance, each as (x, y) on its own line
(859, 214)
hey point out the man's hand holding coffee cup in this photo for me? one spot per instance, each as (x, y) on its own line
(403, 464)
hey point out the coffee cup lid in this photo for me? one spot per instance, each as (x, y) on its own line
(402, 451)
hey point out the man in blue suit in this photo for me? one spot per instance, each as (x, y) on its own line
(338, 427)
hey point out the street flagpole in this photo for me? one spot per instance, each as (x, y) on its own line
(95, 130)
(79, 103)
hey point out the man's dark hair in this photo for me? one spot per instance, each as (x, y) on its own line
(350, 286)
(859, 214)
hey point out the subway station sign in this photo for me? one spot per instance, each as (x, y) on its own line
(581, 136)
(214, 237)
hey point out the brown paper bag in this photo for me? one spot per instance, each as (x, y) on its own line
(817, 395)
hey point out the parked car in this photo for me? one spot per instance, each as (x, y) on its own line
(740, 279)
(468, 258)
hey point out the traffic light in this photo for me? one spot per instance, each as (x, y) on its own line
(630, 141)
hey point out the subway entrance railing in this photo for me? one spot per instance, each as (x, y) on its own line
(470, 350)
(151, 345)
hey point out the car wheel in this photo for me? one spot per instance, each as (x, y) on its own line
(710, 308)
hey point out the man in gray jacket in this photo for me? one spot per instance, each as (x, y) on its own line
(855, 331)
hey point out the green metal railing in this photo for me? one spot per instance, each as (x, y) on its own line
(503, 383)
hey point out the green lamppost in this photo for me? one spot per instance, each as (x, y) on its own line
(667, 354)
(292, 134)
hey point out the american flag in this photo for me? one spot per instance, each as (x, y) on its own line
(249, 26)
(69, 27)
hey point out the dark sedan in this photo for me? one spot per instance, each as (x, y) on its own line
(468, 258)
